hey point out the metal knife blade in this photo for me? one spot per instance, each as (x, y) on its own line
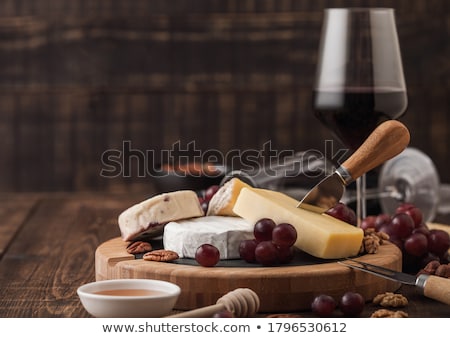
(393, 275)
(389, 139)
(325, 195)
(434, 287)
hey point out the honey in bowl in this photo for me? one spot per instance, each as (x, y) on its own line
(131, 293)
(119, 298)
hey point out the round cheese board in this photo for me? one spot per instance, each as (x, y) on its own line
(285, 288)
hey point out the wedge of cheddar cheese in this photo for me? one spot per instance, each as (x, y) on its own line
(151, 215)
(223, 201)
(319, 235)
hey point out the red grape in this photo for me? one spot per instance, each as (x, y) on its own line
(207, 255)
(247, 250)
(411, 210)
(403, 207)
(438, 241)
(323, 305)
(381, 220)
(388, 230)
(398, 242)
(209, 193)
(263, 229)
(368, 222)
(266, 253)
(343, 212)
(285, 254)
(416, 244)
(352, 304)
(284, 234)
(204, 203)
(423, 229)
(402, 225)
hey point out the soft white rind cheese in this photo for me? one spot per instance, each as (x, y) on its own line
(222, 202)
(224, 232)
(157, 211)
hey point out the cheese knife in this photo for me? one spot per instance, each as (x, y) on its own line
(434, 287)
(389, 139)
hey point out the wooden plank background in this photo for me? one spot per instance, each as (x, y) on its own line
(81, 77)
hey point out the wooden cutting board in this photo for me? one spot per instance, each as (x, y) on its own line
(281, 289)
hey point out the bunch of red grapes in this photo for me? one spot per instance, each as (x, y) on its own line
(407, 230)
(273, 243)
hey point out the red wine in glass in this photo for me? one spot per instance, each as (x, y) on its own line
(359, 80)
(353, 113)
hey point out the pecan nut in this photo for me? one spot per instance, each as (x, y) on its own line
(443, 270)
(436, 268)
(139, 247)
(161, 256)
(431, 267)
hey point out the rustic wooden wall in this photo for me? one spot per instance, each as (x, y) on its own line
(79, 77)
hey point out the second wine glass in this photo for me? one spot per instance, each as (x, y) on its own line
(359, 81)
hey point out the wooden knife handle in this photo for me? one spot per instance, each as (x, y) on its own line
(388, 140)
(437, 288)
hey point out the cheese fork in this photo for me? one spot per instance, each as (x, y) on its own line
(434, 287)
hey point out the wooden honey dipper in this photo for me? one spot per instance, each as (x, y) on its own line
(241, 302)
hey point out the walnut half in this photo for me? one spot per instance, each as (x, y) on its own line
(372, 241)
(390, 299)
(384, 313)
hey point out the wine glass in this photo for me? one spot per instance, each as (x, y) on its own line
(410, 177)
(359, 81)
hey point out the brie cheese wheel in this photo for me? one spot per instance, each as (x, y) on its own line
(224, 232)
(151, 215)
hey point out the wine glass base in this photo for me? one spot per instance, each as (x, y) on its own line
(410, 177)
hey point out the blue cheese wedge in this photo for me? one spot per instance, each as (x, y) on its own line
(224, 232)
(151, 215)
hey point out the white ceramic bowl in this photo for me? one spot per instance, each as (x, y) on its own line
(157, 304)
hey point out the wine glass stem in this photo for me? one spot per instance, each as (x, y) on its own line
(361, 211)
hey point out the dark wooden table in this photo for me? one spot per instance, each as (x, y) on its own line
(47, 245)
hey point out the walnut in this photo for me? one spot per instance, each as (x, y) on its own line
(390, 299)
(372, 241)
(384, 313)
(381, 235)
(371, 244)
(139, 247)
(161, 256)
